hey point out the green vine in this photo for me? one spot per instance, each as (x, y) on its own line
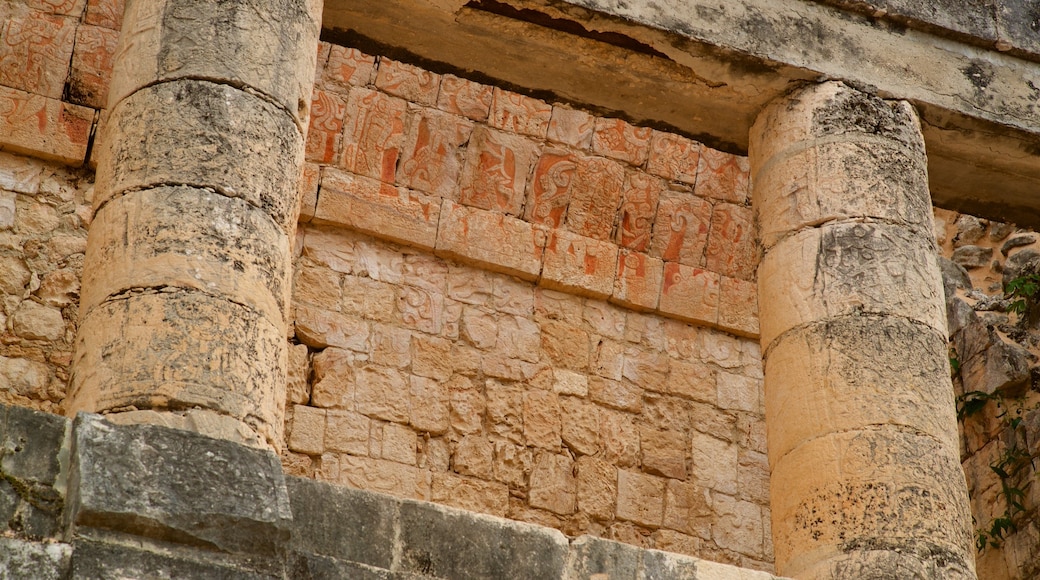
(1008, 467)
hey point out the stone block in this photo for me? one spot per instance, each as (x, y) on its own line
(434, 150)
(862, 481)
(448, 543)
(571, 127)
(597, 487)
(308, 430)
(578, 264)
(542, 419)
(723, 176)
(46, 128)
(188, 238)
(320, 328)
(593, 557)
(495, 174)
(738, 306)
(383, 476)
(475, 495)
(688, 509)
(639, 280)
(674, 157)
(347, 432)
(619, 140)
(268, 47)
(92, 66)
(325, 131)
(738, 525)
(155, 481)
(568, 382)
(496, 241)
(640, 498)
(94, 560)
(107, 13)
(680, 233)
(714, 463)
(310, 567)
(36, 52)
(732, 245)
(639, 202)
(146, 350)
(22, 559)
(836, 181)
(379, 209)
(32, 443)
(812, 393)
(664, 452)
(518, 113)
(35, 321)
(343, 523)
(690, 293)
(580, 425)
(619, 438)
(554, 486)
(244, 146)
(429, 400)
(347, 68)
(851, 268)
(621, 395)
(466, 98)
(408, 82)
(378, 393)
(374, 134)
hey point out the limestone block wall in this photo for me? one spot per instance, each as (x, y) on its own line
(465, 335)
(44, 213)
(996, 353)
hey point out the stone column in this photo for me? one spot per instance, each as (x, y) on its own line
(187, 276)
(863, 447)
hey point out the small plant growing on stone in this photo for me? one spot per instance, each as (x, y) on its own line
(1022, 293)
(1009, 467)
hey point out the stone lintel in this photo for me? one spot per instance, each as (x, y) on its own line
(707, 71)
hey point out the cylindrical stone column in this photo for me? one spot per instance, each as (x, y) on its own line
(862, 433)
(186, 283)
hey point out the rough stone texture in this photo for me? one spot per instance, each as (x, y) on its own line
(234, 44)
(44, 210)
(156, 482)
(187, 238)
(22, 559)
(244, 146)
(462, 545)
(147, 350)
(97, 560)
(853, 335)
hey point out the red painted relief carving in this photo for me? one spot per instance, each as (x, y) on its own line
(681, 229)
(551, 188)
(466, 98)
(326, 127)
(373, 134)
(520, 114)
(35, 52)
(433, 155)
(106, 13)
(722, 176)
(620, 140)
(639, 200)
(496, 171)
(408, 82)
(731, 247)
(347, 67)
(674, 157)
(595, 198)
(63, 7)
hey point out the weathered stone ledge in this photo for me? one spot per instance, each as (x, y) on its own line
(144, 500)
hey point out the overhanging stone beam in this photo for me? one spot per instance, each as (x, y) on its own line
(707, 69)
